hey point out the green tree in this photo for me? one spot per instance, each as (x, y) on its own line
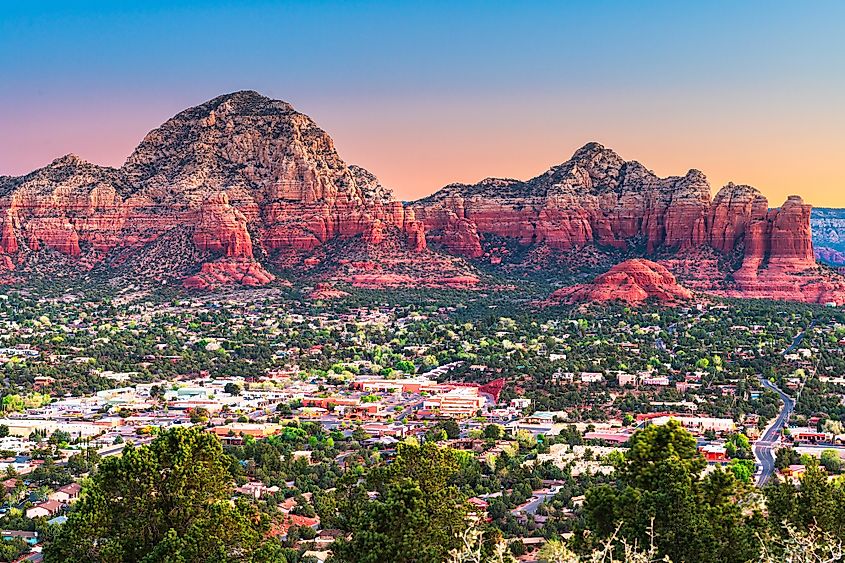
(742, 469)
(494, 431)
(417, 515)
(831, 461)
(232, 389)
(451, 427)
(785, 457)
(169, 501)
(661, 490)
(817, 503)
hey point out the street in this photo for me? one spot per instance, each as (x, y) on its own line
(764, 447)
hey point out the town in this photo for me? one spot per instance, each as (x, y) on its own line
(544, 401)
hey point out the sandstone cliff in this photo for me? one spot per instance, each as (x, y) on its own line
(632, 281)
(247, 174)
(230, 190)
(597, 199)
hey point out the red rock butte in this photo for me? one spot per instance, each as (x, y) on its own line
(632, 281)
(241, 186)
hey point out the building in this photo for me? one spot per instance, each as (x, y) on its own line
(698, 424)
(460, 402)
(66, 494)
(540, 417)
(810, 436)
(46, 508)
(714, 453)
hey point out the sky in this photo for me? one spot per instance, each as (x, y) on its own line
(428, 93)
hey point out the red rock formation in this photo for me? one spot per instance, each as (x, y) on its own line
(594, 198)
(282, 178)
(243, 178)
(226, 272)
(325, 292)
(632, 281)
(222, 229)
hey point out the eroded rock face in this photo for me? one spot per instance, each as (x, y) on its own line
(241, 170)
(593, 198)
(226, 189)
(598, 199)
(632, 281)
(226, 272)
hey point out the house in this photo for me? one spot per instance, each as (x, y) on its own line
(714, 453)
(10, 485)
(810, 436)
(30, 537)
(280, 528)
(520, 404)
(540, 417)
(46, 508)
(256, 489)
(626, 379)
(795, 470)
(66, 494)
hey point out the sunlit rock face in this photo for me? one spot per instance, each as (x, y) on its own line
(242, 186)
(245, 174)
(597, 199)
(632, 281)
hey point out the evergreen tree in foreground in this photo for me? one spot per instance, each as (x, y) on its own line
(165, 502)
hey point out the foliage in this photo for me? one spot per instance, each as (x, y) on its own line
(661, 488)
(416, 516)
(168, 501)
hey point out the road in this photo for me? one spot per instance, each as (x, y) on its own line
(764, 447)
(531, 506)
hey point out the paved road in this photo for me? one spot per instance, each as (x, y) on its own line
(534, 503)
(764, 447)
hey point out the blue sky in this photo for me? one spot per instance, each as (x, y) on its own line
(424, 93)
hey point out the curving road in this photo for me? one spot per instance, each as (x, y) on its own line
(764, 447)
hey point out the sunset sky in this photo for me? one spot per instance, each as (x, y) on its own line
(428, 93)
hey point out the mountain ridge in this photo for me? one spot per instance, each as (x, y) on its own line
(243, 185)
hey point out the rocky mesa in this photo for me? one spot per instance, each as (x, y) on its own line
(239, 182)
(632, 281)
(244, 189)
(596, 199)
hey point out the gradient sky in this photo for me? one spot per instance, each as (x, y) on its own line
(427, 93)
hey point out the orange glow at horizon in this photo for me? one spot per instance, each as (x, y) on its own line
(417, 148)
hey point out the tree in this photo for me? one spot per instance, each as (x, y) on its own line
(742, 469)
(494, 431)
(785, 457)
(738, 446)
(661, 495)
(4, 431)
(831, 461)
(417, 515)
(817, 503)
(451, 427)
(555, 551)
(169, 501)
(199, 415)
(232, 389)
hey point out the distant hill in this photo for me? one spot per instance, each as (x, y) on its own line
(243, 190)
(829, 235)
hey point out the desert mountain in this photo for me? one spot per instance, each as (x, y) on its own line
(220, 184)
(632, 281)
(732, 244)
(243, 189)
